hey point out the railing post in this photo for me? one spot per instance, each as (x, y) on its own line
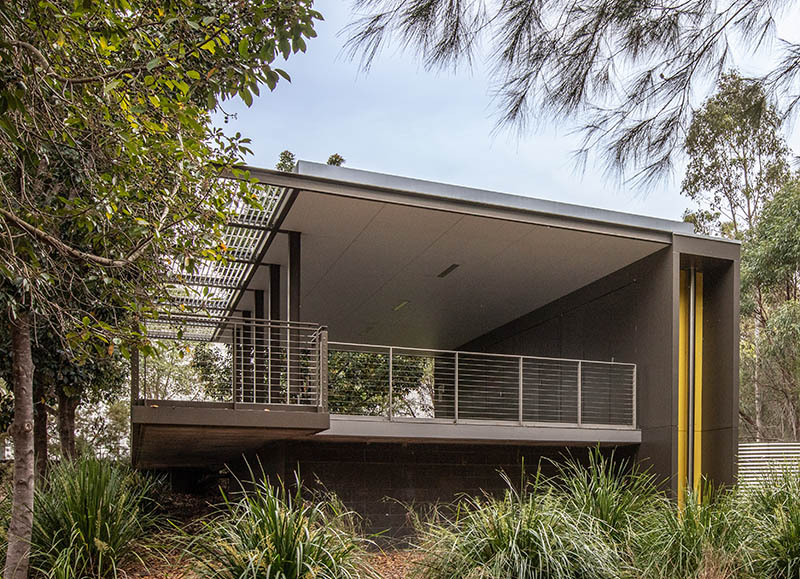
(322, 394)
(234, 360)
(455, 400)
(633, 407)
(269, 361)
(520, 391)
(134, 376)
(580, 392)
(289, 355)
(391, 382)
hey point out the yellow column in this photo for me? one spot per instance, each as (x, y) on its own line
(685, 385)
(698, 383)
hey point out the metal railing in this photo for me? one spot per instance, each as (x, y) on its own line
(454, 386)
(242, 360)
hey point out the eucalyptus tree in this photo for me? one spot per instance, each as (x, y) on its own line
(738, 161)
(738, 158)
(109, 168)
(771, 284)
(628, 71)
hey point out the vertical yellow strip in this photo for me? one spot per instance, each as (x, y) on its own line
(683, 384)
(698, 383)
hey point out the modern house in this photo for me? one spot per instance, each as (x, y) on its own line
(399, 338)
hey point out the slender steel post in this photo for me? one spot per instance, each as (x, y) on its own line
(391, 382)
(690, 381)
(520, 390)
(134, 376)
(635, 387)
(234, 361)
(580, 392)
(323, 369)
(455, 403)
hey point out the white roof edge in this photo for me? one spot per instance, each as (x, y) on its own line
(493, 198)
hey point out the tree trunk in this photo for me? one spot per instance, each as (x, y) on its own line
(66, 424)
(21, 525)
(40, 431)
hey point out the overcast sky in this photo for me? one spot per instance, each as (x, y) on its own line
(402, 120)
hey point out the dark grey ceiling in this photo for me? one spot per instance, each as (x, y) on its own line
(361, 259)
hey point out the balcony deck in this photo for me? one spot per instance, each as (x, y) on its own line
(288, 382)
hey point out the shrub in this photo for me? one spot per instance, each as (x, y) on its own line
(613, 492)
(525, 534)
(270, 532)
(775, 507)
(88, 518)
(709, 537)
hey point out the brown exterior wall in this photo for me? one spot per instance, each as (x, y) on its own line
(380, 480)
(627, 317)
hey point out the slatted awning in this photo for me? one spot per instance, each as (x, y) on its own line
(214, 286)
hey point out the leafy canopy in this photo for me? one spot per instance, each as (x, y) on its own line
(737, 157)
(110, 166)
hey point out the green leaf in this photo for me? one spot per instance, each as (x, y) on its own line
(244, 45)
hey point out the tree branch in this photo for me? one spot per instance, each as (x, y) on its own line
(66, 249)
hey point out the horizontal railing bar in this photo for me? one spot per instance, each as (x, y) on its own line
(398, 351)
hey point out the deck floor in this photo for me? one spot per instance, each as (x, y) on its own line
(171, 434)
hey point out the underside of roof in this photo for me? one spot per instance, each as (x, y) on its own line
(372, 243)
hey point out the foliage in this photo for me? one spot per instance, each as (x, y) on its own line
(358, 383)
(213, 364)
(103, 429)
(286, 162)
(56, 368)
(110, 188)
(776, 509)
(525, 534)
(108, 156)
(270, 531)
(88, 518)
(336, 160)
(630, 71)
(710, 536)
(771, 318)
(612, 491)
(737, 157)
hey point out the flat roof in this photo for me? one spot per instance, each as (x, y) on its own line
(484, 197)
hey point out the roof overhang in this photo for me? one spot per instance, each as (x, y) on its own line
(392, 260)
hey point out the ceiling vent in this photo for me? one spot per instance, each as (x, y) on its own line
(449, 270)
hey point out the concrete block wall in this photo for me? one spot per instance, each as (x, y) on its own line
(380, 480)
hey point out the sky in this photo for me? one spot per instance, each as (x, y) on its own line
(403, 120)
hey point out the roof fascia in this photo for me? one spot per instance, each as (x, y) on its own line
(372, 192)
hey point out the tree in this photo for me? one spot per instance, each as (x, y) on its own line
(62, 382)
(287, 161)
(738, 158)
(213, 364)
(738, 161)
(629, 71)
(110, 189)
(771, 298)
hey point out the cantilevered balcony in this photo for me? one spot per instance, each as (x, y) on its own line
(285, 380)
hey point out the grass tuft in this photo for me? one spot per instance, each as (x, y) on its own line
(271, 532)
(88, 519)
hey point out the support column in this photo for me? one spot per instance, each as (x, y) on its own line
(293, 297)
(260, 358)
(248, 383)
(274, 341)
(293, 312)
